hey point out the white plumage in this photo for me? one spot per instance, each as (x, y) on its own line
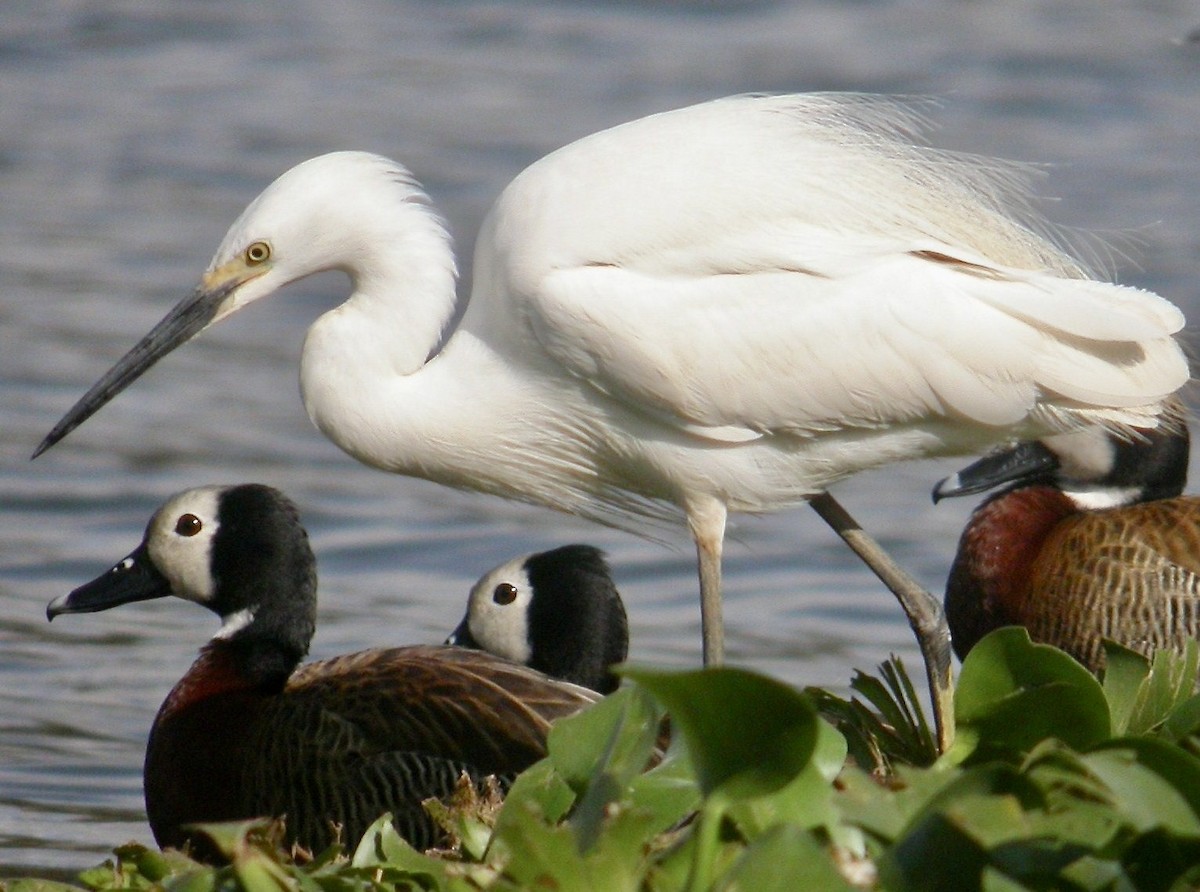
(725, 307)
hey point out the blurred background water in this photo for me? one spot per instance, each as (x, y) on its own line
(132, 133)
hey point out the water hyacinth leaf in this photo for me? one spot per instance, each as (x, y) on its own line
(200, 879)
(1013, 693)
(599, 751)
(619, 853)
(885, 815)
(668, 792)
(1100, 873)
(1162, 860)
(616, 735)
(991, 840)
(986, 782)
(1184, 719)
(993, 880)
(1066, 780)
(936, 856)
(1124, 672)
(542, 856)
(1170, 682)
(747, 735)
(257, 871)
(1013, 838)
(784, 859)
(387, 854)
(539, 791)
(1154, 783)
(807, 801)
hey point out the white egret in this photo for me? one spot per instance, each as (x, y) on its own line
(726, 307)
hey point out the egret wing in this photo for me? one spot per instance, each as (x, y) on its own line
(800, 264)
(896, 337)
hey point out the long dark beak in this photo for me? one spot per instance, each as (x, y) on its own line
(462, 637)
(1025, 461)
(185, 321)
(133, 579)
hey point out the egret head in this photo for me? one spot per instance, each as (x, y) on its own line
(325, 213)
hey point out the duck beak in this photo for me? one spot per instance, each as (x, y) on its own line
(133, 579)
(212, 301)
(462, 637)
(1024, 461)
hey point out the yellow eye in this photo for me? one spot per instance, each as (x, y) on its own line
(188, 525)
(259, 252)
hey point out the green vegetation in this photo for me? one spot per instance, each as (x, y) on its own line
(1055, 781)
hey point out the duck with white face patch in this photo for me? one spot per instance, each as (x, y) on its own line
(558, 611)
(249, 732)
(1090, 539)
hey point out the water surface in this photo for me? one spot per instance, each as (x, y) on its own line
(132, 133)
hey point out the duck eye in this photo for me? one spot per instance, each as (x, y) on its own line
(188, 525)
(504, 593)
(124, 567)
(259, 252)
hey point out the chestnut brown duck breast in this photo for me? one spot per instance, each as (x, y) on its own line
(1090, 540)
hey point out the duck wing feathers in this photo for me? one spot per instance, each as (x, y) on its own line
(380, 731)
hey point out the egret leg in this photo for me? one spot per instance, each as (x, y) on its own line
(706, 519)
(924, 611)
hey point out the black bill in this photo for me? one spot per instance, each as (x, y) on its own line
(133, 579)
(1025, 461)
(187, 319)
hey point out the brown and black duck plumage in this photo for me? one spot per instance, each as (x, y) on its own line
(1090, 540)
(557, 611)
(245, 733)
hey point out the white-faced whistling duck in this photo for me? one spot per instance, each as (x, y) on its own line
(245, 733)
(557, 611)
(1090, 540)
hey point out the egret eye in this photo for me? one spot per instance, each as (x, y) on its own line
(259, 252)
(505, 593)
(188, 525)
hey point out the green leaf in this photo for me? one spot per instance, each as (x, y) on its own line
(886, 811)
(1183, 720)
(600, 751)
(1161, 860)
(785, 859)
(937, 855)
(748, 735)
(198, 879)
(807, 801)
(668, 792)
(539, 856)
(1170, 682)
(1154, 783)
(1124, 672)
(1013, 693)
(896, 731)
(382, 846)
(538, 790)
(616, 735)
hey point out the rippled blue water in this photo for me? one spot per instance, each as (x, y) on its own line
(132, 133)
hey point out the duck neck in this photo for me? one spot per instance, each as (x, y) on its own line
(229, 666)
(989, 581)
